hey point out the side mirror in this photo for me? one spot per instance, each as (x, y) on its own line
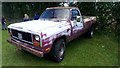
(78, 18)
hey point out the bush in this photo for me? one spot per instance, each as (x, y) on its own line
(107, 13)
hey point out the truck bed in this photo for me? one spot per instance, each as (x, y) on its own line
(88, 18)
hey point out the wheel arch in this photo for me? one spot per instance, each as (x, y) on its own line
(61, 37)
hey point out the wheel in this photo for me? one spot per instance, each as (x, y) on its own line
(90, 32)
(58, 50)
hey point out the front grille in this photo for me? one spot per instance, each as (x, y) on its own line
(26, 37)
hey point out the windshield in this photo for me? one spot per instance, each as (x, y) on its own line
(61, 14)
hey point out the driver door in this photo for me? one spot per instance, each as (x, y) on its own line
(77, 23)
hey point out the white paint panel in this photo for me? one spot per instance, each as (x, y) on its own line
(46, 27)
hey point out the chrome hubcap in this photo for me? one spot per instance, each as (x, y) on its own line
(61, 51)
(92, 33)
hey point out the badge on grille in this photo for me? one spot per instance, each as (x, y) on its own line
(19, 36)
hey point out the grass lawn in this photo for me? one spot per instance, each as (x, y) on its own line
(102, 50)
(0, 46)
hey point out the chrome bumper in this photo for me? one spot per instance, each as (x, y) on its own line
(24, 46)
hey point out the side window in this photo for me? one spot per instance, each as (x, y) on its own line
(75, 13)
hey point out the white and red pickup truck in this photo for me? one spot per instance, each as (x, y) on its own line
(49, 35)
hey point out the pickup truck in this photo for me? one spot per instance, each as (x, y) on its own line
(50, 34)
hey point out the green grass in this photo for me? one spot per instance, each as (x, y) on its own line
(102, 50)
(0, 47)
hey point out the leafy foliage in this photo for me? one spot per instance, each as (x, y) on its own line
(105, 17)
(116, 14)
(18, 9)
(107, 13)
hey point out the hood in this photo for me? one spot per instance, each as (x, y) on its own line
(34, 25)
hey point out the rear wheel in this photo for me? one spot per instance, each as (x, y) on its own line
(90, 33)
(58, 50)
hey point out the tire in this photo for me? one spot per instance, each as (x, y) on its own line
(90, 32)
(57, 51)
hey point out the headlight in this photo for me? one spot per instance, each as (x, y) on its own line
(37, 38)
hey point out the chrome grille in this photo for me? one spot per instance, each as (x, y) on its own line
(23, 36)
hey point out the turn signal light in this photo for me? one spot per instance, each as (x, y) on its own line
(36, 43)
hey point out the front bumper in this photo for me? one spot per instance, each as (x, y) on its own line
(25, 47)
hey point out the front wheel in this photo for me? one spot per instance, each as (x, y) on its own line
(58, 50)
